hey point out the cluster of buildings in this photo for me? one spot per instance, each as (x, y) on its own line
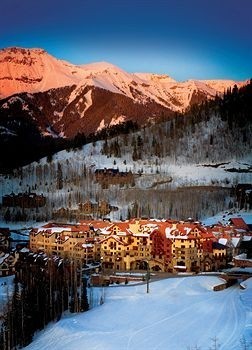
(110, 176)
(24, 200)
(168, 246)
(85, 210)
(7, 257)
(101, 208)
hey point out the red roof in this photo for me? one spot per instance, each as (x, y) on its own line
(83, 227)
(239, 223)
(123, 226)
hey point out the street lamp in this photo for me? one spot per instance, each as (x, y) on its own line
(147, 277)
(116, 258)
(101, 263)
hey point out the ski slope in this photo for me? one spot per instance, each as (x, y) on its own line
(178, 313)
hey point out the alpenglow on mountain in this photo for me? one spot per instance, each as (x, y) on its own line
(68, 99)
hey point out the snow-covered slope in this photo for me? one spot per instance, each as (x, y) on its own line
(164, 189)
(178, 313)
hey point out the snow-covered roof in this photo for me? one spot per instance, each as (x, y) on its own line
(242, 256)
(141, 234)
(247, 238)
(223, 241)
(24, 250)
(4, 257)
(235, 241)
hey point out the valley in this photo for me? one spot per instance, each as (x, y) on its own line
(126, 175)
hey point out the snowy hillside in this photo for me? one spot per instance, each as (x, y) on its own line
(188, 166)
(162, 187)
(178, 313)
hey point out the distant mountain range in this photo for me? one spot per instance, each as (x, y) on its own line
(63, 99)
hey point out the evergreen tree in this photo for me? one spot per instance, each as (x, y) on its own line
(84, 297)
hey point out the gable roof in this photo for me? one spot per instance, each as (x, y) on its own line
(239, 223)
(114, 237)
(184, 230)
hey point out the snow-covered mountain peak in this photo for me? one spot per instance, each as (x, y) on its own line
(157, 78)
(99, 67)
(87, 97)
(34, 70)
(100, 71)
(222, 85)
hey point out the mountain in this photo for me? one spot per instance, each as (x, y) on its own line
(34, 70)
(154, 171)
(64, 99)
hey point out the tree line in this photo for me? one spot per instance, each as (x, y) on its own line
(210, 130)
(25, 143)
(44, 288)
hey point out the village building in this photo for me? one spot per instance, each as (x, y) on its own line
(235, 236)
(101, 208)
(127, 245)
(161, 249)
(4, 239)
(110, 176)
(242, 260)
(193, 247)
(67, 241)
(24, 200)
(7, 263)
(220, 258)
(170, 246)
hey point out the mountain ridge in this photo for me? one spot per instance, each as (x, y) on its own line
(99, 95)
(64, 100)
(35, 70)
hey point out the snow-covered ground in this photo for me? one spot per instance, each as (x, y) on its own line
(182, 174)
(178, 313)
(224, 217)
(162, 179)
(175, 173)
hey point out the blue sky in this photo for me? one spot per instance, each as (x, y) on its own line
(182, 38)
